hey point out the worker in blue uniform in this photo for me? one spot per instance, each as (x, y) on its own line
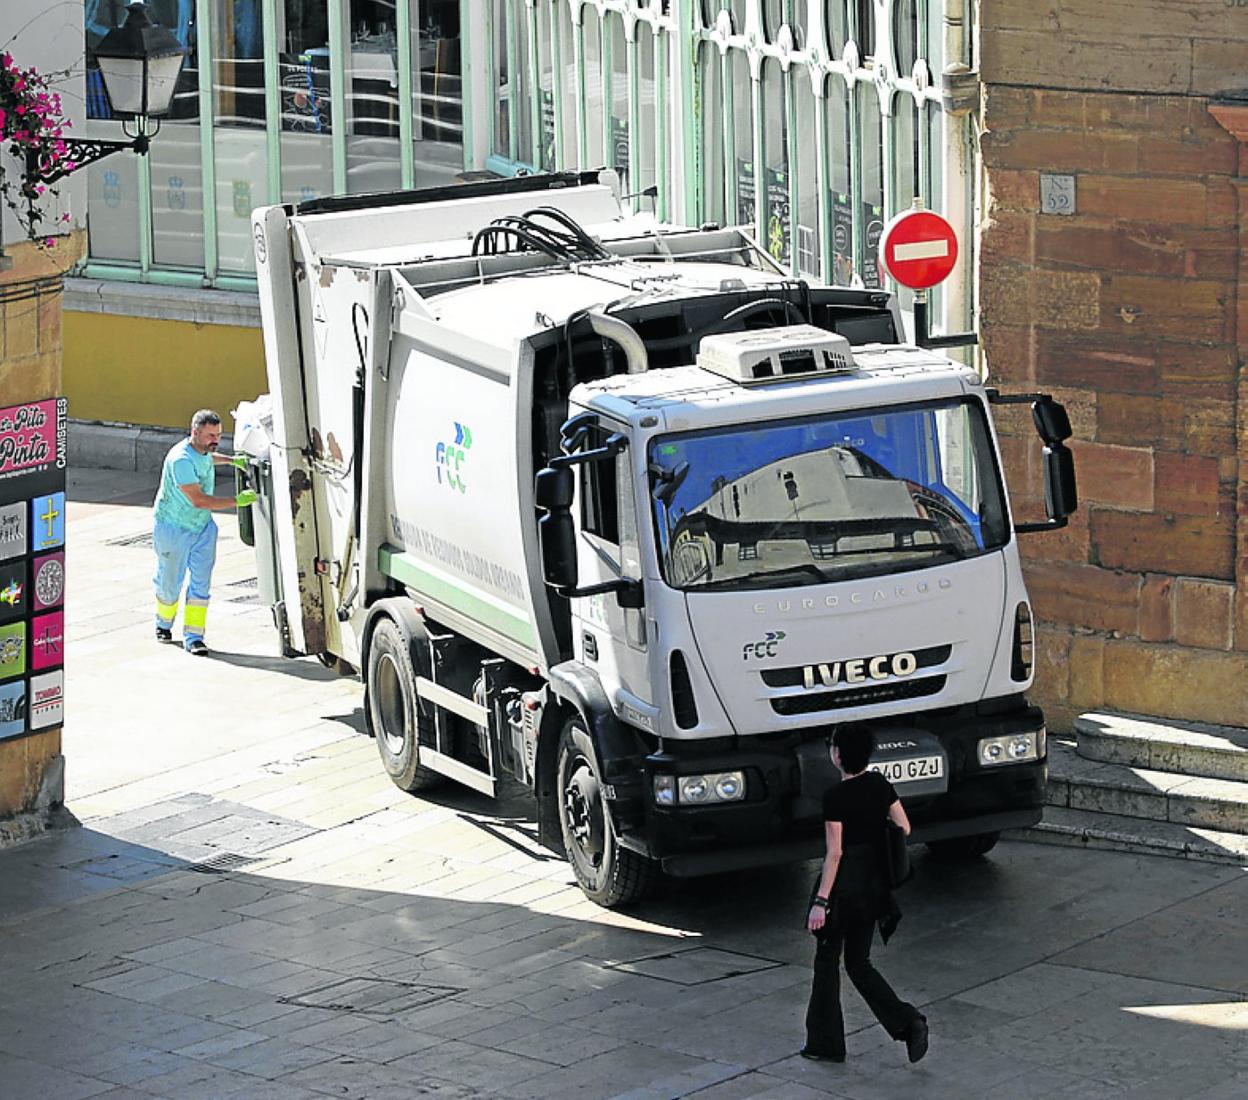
(185, 534)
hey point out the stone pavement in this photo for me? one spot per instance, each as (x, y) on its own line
(252, 910)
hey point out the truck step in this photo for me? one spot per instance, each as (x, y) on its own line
(1189, 748)
(1192, 801)
(1114, 832)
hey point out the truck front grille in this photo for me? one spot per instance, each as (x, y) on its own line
(858, 697)
(794, 677)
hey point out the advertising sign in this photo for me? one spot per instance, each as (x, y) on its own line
(33, 461)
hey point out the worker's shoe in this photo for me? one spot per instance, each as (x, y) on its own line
(916, 1039)
(197, 648)
(164, 634)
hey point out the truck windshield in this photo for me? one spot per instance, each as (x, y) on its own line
(826, 498)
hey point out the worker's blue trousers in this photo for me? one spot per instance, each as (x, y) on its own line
(178, 552)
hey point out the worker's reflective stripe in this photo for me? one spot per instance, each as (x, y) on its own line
(166, 611)
(195, 617)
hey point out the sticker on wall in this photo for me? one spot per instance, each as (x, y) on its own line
(47, 522)
(13, 601)
(48, 584)
(12, 650)
(13, 708)
(12, 530)
(47, 700)
(47, 640)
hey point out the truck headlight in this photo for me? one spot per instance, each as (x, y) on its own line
(1016, 748)
(699, 790)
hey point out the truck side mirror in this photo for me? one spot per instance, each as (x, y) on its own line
(1051, 420)
(552, 489)
(557, 534)
(1061, 497)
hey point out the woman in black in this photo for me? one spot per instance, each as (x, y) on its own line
(852, 896)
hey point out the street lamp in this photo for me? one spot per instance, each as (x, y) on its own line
(139, 62)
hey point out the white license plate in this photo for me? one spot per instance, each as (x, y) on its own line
(911, 769)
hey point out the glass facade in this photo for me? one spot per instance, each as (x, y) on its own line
(278, 101)
(810, 122)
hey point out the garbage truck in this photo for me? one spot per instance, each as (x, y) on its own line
(623, 513)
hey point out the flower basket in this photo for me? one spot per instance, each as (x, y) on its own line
(32, 128)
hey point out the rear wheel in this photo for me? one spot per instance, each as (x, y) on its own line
(395, 715)
(609, 874)
(963, 847)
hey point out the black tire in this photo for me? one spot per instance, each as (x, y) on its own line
(959, 848)
(396, 718)
(610, 875)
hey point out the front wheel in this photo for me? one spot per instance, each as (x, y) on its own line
(393, 708)
(963, 847)
(608, 874)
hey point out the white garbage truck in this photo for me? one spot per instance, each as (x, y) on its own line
(623, 513)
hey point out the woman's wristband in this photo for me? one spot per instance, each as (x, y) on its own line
(822, 903)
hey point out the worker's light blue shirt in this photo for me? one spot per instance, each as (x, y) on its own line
(184, 466)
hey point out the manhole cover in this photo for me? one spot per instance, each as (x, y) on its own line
(222, 864)
(696, 966)
(142, 539)
(371, 996)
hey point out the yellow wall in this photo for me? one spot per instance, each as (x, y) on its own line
(135, 370)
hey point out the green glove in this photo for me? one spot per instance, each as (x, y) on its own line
(246, 497)
(239, 462)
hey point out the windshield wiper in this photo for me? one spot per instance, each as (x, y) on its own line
(778, 575)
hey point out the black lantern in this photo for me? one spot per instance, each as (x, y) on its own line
(139, 62)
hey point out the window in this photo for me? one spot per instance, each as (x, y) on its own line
(600, 512)
(361, 95)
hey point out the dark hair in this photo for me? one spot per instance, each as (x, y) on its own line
(204, 416)
(855, 744)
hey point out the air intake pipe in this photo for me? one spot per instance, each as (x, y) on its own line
(622, 333)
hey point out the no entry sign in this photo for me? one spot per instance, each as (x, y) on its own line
(918, 249)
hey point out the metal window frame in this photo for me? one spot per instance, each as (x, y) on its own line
(680, 167)
(337, 11)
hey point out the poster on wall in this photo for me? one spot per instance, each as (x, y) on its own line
(33, 461)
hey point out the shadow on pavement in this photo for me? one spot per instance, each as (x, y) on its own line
(127, 966)
(288, 666)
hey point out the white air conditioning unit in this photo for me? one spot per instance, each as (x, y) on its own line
(775, 354)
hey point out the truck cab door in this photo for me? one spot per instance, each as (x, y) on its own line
(608, 637)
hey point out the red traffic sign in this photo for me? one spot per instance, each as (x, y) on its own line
(918, 249)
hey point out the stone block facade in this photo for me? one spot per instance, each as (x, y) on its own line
(1132, 310)
(31, 767)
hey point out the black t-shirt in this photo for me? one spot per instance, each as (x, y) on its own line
(861, 805)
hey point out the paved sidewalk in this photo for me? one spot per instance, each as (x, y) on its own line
(252, 910)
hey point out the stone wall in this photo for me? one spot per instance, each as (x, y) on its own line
(1126, 310)
(31, 767)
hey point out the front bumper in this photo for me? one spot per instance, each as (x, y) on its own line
(781, 819)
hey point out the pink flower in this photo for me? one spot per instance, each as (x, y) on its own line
(49, 242)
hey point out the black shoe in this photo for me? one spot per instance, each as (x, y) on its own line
(164, 634)
(816, 1056)
(916, 1039)
(197, 648)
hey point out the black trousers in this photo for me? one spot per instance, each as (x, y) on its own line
(825, 1025)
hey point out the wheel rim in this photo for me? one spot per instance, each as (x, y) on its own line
(391, 707)
(582, 803)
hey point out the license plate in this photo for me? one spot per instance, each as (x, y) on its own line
(911, 769)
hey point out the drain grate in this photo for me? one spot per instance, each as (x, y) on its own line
(696, 966)
(222, 864)
(250, 597)
(375, 997)
(142, 539)
(246, 582)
